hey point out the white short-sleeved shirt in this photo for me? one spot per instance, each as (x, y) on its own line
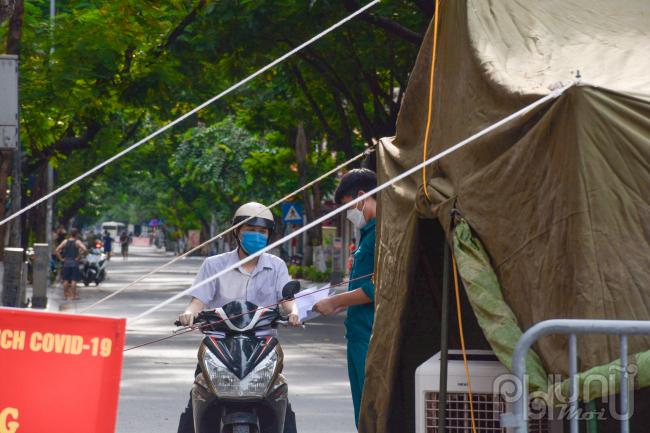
(262, 287)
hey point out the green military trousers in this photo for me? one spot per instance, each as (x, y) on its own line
(357, 351)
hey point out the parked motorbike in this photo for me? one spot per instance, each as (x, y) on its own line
(239, 387)
(93, 268)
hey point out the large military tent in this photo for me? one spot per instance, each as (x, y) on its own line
(554, 207)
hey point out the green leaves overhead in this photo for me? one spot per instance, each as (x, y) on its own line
(123, 68)
(214, 156)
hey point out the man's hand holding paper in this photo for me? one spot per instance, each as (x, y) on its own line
(308, 298)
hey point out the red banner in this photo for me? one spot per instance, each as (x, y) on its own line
(59, 373)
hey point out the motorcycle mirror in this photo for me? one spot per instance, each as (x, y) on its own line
(290, 289)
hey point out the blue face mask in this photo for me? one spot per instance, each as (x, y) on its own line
(252, 242)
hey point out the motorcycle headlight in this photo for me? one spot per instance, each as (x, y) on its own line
(254, 384)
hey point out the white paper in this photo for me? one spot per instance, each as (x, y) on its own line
(306, 300)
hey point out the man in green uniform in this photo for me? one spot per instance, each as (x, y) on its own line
(360, 297)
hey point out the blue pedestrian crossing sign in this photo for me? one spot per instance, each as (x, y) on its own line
(292, 213)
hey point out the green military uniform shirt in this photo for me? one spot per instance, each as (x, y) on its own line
(358, 324)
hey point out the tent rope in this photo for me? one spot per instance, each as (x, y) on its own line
(431, 86)
(462, 343)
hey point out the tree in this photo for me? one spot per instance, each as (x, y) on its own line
(123, 68)
(211, 159)
(79, 104)
(6, 9)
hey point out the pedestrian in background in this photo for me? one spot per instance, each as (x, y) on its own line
(124, 244)
(108, 244)
(360, 297)
(61, 236)
(90, 239)
(70, 251)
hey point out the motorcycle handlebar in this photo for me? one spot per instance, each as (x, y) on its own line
(201, 317)
(285, 323)
(198, 319)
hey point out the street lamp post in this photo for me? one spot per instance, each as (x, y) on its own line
(50, 170)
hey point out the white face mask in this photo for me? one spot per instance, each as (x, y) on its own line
(355, 216)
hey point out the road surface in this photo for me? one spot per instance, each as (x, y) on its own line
(156, 379)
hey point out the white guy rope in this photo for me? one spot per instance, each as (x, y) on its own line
(190, 113)
(340, 209)
(225, 232)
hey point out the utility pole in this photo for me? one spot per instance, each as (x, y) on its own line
(15, 235)
(40, 275)
(52, 15)
(50, 170)
(9, 141)
(12, 280)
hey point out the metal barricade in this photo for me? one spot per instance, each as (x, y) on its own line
(572, 327)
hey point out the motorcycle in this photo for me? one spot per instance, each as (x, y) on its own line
(94, 266)
(239, 387)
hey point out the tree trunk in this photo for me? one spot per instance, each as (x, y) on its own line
(67, 215)
(38, 215)
(205, 235)
(6, 9)
(15, 30)
(311, 199)
(301, 159)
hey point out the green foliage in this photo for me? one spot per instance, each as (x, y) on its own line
(123, 68)
(210, 155)
(212, 159)
(295, 271)
(309, 273)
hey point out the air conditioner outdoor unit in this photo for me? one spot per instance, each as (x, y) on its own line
(488, 403)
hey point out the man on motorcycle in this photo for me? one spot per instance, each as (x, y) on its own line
(259, 281)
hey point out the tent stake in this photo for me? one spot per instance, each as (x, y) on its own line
(444, 341)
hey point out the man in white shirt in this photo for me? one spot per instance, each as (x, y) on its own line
(259, 281)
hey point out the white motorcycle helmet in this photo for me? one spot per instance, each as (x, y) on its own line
(262, 217)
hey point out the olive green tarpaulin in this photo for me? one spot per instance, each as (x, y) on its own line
(559, 198)
(589, 382)
(494, 316)
(501, 329)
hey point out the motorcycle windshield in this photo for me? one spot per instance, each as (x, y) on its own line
(240, 312)
(240, 353)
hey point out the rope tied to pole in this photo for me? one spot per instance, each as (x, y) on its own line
(432, 75)
(462, 343)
